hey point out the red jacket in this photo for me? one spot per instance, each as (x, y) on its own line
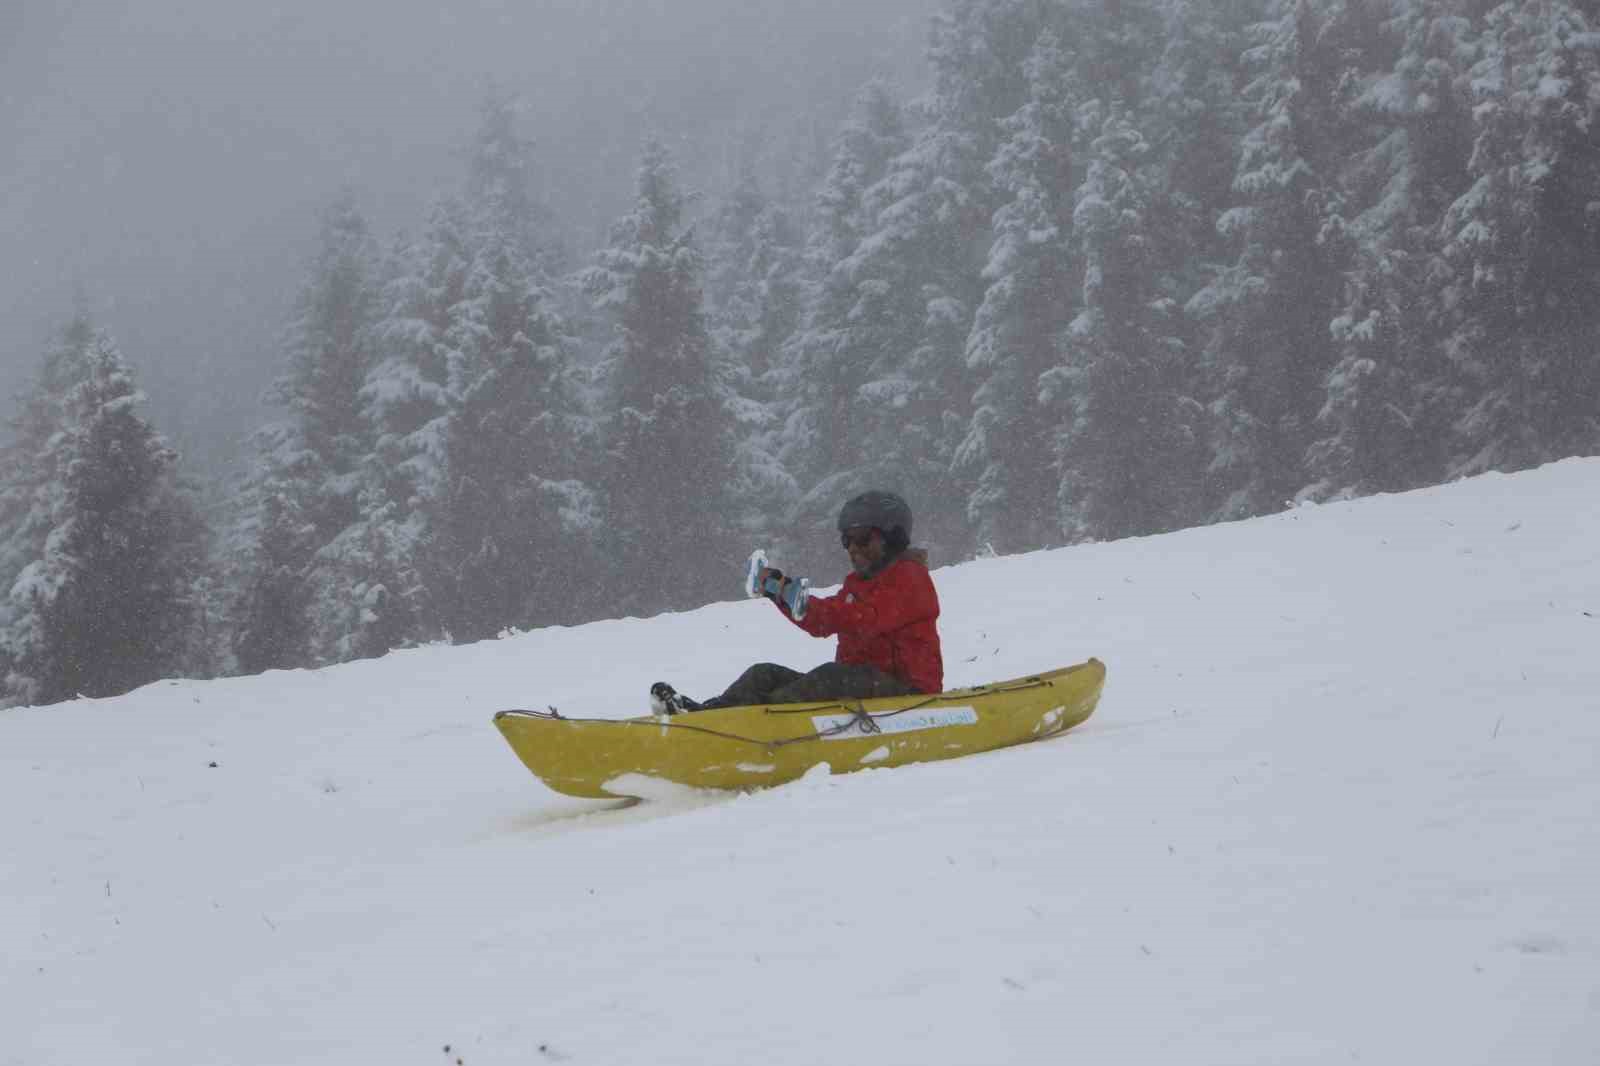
(888, 620)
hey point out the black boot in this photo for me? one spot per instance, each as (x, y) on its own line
(664, 699)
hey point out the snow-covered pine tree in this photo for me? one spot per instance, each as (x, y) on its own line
(753, 276)
(513, 524)
(876, 130)
(758, 258)
(307, 486)
(387, 597)
(1269, 349)
(774, 291)
(1009, 451)
(897, 406)
(407, 401)
(329, 348)
(29, 489)
(406, 394)
(1381, 427)
(752, 299)
(669, 443)
(24, 525)
(109, 545)
(918, 271)
(474, 484)
(1193, 119)
(1129, 447)
(818, 375)
(504, 179)
(1115, 45)
(729, 245)
(269, 626)
(368, 595)
(1524, 244)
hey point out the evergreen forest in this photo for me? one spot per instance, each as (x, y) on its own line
(1124, 267)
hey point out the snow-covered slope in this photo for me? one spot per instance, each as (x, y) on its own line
(1340, 803)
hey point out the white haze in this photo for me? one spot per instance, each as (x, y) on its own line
(164, 161)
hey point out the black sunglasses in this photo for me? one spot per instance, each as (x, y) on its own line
(859, 537)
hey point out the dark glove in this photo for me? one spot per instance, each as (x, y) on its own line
(770, 581)
(790, 593)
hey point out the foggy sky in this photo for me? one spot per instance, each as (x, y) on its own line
(167, 158)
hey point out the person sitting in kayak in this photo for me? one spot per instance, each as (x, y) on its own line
(885, 616)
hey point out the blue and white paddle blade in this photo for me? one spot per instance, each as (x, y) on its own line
(752, 574)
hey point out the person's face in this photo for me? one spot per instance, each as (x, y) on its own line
(865, 545)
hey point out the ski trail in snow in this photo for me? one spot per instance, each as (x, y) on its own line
(561, 819)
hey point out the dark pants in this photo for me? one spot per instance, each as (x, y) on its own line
(771, 683)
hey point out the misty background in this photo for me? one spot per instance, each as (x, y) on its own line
(164, 163)
(562, 311)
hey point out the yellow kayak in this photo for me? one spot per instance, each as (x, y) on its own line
(759, 746)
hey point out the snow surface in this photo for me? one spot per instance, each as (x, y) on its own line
(1339, 804)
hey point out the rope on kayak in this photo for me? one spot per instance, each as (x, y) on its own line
(868, 720)
(863, 717)
(554, 715)
(974, 693)
(859, 716)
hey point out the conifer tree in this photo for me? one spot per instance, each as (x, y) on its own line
(474, 499)
(894, 397)
(752, 301)
(307, 486)
(1009, 452)
(504, 181)
(388, 595)
(669, 448)
(819, 376)
(758, 270)
(329, 348)
(508, 521)
(1524, 244)
(1194, 121)
(406, 395)
(407, 401)
(730, 246)
(1381, 427)
(109, 546)
(1269, 349)
(917, 273)
(270, 627)
(772, 294)
(1129, 446)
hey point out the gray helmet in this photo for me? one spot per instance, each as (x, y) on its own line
(880, 510)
